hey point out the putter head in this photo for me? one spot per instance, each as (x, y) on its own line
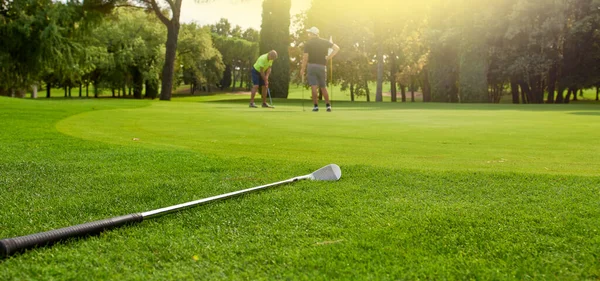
(331, 172)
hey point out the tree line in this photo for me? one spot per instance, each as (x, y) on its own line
(114, 46)
(462, 51)
(536, 51)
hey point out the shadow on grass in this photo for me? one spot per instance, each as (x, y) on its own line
(186, 94)
(590, 113)
(361, 105)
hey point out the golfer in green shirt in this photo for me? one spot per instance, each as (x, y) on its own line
(260, 76)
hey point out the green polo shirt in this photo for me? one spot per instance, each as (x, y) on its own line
(263, 62)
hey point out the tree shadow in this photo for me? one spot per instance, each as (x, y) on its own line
(590, 113)
(387, 105)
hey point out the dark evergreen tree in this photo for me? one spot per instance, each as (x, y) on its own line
(275, 35)
(226, 80)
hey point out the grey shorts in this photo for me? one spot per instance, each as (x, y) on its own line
(317, 75)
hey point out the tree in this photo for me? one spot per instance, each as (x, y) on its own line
(238, 52)
(275, 35)
(198, 56)
(43, 36)
(238, 55)
(251, 35)
(172, 23)
(132, 41)
(222, 28)
(579, 67)
(473, 54)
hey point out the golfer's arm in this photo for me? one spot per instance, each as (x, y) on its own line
(264, 75)
(336, 49)
(268, 72)
(304, 62)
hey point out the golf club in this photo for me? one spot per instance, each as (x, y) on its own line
(332, 85)
(330, 73)
(302, 96)
(270, 100)
(13, 245)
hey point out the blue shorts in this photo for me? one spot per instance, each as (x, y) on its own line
(256, 78)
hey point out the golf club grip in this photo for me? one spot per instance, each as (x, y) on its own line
(13, 245)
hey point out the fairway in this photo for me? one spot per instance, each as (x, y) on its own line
(429, 191)
(530, 139)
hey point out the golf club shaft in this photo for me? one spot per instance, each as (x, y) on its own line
(302, 97)
(166, 210)
(13, 245)
(270, 100)
(331, 82)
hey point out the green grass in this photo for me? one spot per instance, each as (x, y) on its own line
(429, 191)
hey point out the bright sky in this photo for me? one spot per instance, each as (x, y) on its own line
(246, 13)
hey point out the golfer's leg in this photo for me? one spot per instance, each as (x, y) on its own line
(253, 93)
(313, 82)
(325, 94)
(264, 95)
(255, 85)
(321, 77)
(315, 94)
